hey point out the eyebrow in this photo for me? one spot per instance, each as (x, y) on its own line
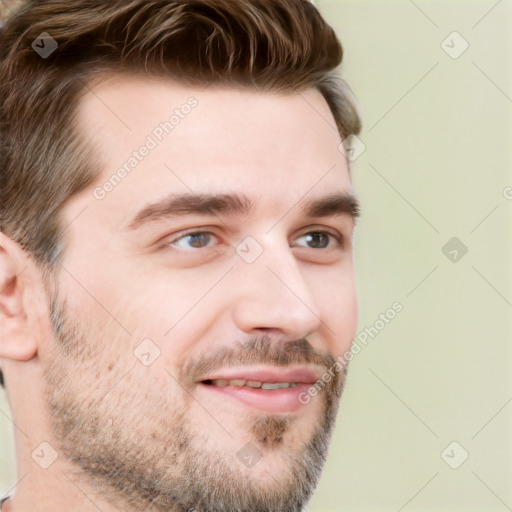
(236, 204)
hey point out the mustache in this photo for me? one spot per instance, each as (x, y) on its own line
(256, 350)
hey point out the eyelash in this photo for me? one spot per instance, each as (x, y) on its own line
(339, 238)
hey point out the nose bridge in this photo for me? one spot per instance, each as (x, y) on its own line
(274, 294)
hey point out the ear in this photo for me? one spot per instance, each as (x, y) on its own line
(20, 285)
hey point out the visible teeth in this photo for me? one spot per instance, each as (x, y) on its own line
(254, 384)
(236, 382)
(275, 385)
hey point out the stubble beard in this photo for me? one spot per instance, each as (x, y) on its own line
(151, 461)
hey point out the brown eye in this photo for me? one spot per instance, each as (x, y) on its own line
(319, 240)
(196, 240)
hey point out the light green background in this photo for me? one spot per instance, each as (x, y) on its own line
(437, 132)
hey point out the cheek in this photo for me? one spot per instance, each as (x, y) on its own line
(176, 312)
(338, 304)
(168, 300)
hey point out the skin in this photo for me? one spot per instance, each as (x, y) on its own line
(117, 287)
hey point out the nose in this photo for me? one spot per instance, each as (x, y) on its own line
(272, 294)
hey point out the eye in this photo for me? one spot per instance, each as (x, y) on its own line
(321, 240)
(194, 240)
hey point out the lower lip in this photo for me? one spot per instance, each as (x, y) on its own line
(274, 400)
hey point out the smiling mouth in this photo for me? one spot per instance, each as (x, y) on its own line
(272, 390)
(269, 397)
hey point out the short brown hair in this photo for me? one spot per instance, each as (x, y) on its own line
(278, 45)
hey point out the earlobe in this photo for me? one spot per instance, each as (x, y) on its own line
(16, 341)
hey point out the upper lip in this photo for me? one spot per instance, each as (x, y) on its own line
(303, 374)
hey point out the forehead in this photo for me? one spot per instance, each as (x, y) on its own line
(154, 137)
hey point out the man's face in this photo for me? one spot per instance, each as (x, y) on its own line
(172, 311)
